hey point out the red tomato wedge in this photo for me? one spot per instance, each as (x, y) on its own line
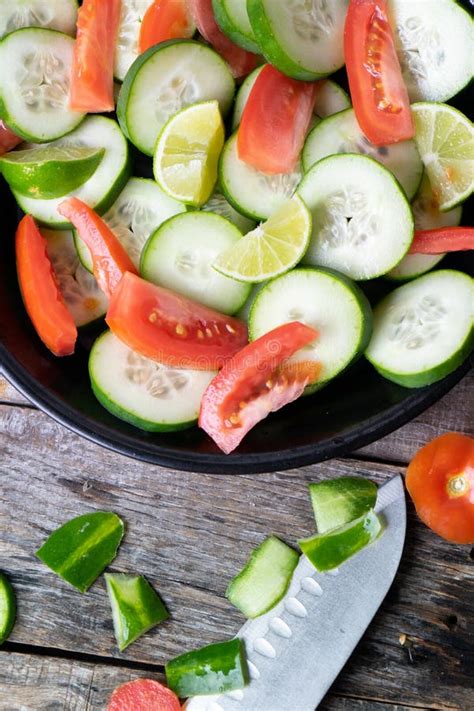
(165, 20)
(241, 62)
(40, 291)
(171, 329)
(378, 92)
(8, 139)
(109, 258)
(275, 121)
(92, 80)
(442, 239)
(143, 695)
(256, 382)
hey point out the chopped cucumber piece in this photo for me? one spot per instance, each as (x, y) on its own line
(136, 607)
(220, 206)
(233, 19)
(337, 502)
(265, 578)
(424, 329)
(79, 550)
(330, 99)
(329, 550)
(244, 313)
(7, 608)
(132, 13)
(58, 15)
(243, 95)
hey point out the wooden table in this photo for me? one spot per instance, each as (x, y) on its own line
(189, 534)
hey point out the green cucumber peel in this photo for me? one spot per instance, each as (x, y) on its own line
(337, 502)
(7, 608)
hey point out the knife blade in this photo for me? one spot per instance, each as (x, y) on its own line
(296, 650)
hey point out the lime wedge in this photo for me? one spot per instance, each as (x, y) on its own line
(187, 152)
(7, 608)
(49, 172)
(445, 141)
(272, 248)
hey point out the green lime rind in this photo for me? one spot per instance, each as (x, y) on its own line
(136, 607)
(329, 550)
(243, 37)
(79, 550)
(337, 502)
(7, 608)
(265, 578)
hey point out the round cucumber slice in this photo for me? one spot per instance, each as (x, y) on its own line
(220, 206)
(330, 99)
(233, 19)
(58, 15)
(144, 393)
(164, 80)
(35, 68)
(180, 255)
(242, 96)
(362, 221)
(434, 42)
(102, 188)
(126, 48)
(424, 329)
(341, 134)
(303, 40)
(254, 194)
(7, 608)
(324, 300)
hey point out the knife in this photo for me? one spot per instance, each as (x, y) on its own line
(296, 650)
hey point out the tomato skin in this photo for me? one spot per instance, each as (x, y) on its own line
(8, 139)
(442, 239)
(165, 20)
(241, 62)
(40, 291)
(378, 92)
(434, 473)
(172, 329)
(92, 80)
(143, 695)
(254, 383)
(275, 121)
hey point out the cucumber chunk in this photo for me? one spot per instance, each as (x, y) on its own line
(7, 608)
(362, 221)
(242, 96)
(337, 502)
(220, 206)
(58, 15)
(35, 68)
(180, 255)
(233, 19)
(164, 80)
(146, 394)
(265, 578)
(340, 133)
(424, 329)
(126, 48)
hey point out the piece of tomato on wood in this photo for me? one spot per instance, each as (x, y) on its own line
(255, 382)
(171, 329)
(143, 695)
(440, 480)
(42, 297)
(378, 92)
(275, 121)
(442, 239)
(240, 62)
(165, 20)
(8, 139)
(92, 80)
(110, 260)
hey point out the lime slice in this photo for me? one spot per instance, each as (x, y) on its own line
(445, 141)
(272, 248)
(49, 172)
(187, 153)
(7, 608)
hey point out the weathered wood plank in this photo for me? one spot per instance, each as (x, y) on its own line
(9, 394)
(189, 534)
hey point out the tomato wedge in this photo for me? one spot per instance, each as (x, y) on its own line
(275, 121)
(110, 260)
(8, 139)
(143, 695)
(170, 328)
(256, 382)
(40, 291)
(92, 80)
(241, 62)
(440, 480)
(442, 239)
(378, 92)
(165, 20)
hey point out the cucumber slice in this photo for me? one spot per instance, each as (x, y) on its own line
(7, 608)
(101, 190)
(330, 99)
(302, 39)
(242, 96)
(362, 221)
(337, 502)
(58, 15)
(324, 300)
(424, 329)
(341, 134)
(142, 392)
(265, 578)
(180, 255)
(126, 48)
(233, 19)
(35, 68)
(244, 313)
(220, 206)
(164, 80)
(434, 41)
(251, 192)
